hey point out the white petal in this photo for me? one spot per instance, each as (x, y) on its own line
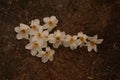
(35, 22)
(45, 44)
(28, 46)
(68, 37)
(73, 46)
(38, 48)
(47, 48)
(66, 44)
(75, 37)
(23, 26)
(50, 28)
(33, 52)
(99, 41)
(33, 32)
(80, 34)
(34, 38)
(78, 42)
(89, 48)
(54, 19)
(46, 19)
(40, 29)
(95, 48)
(51, 40)
(19, 36)
(52, 52)
(44, 59)
(40, 54)
(56, 45)
(26, 36)
(17, 29)
(45, 26)
(51, 58)
(58, 33)
(95, 37)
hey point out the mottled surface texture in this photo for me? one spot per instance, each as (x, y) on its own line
(100, 17)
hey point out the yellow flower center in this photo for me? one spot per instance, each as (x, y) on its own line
(34, 27)
(35, 45)
(81, 39)
(72, 40)
(39, 35)
(23, 31)
(50, 23)
(92, 43)
(47, 53)
(58, 39)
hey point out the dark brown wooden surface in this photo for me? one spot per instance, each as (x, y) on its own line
(100, 17)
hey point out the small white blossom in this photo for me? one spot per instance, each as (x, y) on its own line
(45, 35)
(57, 38)
(34, 46)
(22, 31)
(38, 35)
(46, 55)
(82, 39)
(92, 43)
(35, 25)
(70, 41)
(50, 22)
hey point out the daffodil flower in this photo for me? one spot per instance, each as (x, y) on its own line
(46, 55)
(81, 39)
(70, 41)
(22, 31)
(35, 47)
(35, 25)
(50, 22)
(57, 38)
(92, 43)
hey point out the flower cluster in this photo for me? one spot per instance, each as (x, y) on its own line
(40, 35)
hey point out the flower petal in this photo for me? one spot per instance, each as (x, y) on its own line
(35, 22)
(95, 48)
(56, 45)
(17, 29)
(89, 48)
(33, 52)
(44, 59)
(73, 46)
(28, 46)
(40, 54)
(46, 19)
(51, 58)
(99, 41)
(19, 36)
(66, 44)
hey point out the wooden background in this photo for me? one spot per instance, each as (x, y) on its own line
(100, 17)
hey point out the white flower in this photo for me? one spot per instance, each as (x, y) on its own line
(22, 31)
(82, 39)
(46, 55)
(70, 41)
(35, 25)
(57, 38)
(38, 35)
(34, 46)
(92, 43)
(50, 22)
(45, 35)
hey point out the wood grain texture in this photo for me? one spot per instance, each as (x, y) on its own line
(100, 17)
